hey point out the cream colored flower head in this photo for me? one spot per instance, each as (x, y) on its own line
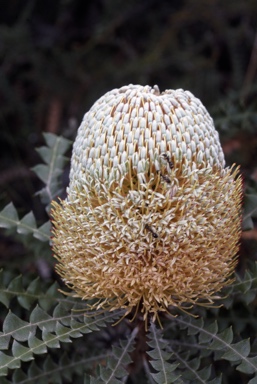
(152, 217)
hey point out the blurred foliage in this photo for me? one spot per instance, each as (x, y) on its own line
(58, 57)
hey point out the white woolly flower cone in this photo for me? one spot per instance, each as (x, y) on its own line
(152, 218)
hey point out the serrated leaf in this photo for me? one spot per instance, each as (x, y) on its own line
(15, 286)
(160, 357)
(222, 340)
(45, 153)
(27, 224)
(65, 361)
(42, 172)
(52, 140)
(8, 216)
(237, 351)
(34, 371)
(26, 301)
(46, 301)
(42, 319)
(116, 363)
(243, 289)
(253, 380)
(8, 362)
(244, 285)
(5, 298)
(248, 366)
(164, 378)
(63, 333)
(4, 341)
(100, 320)
(27, 296)
(36, 344)
(195, 375)
(216, 380)
(50, 172)
(250, 210)
(61, 310)
(207, 336)
(159, 365)
(192, 330)
(43, 232)
(18, 376)
(205, 373)
(19, 329)
(26, 227)
(51, 366)
(50, 339)
(35, 286)
(21, 352)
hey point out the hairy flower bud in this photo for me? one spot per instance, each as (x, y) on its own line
(152, 217)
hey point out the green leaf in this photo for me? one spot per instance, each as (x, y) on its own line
(253, 380)
(248, 365)
(86, 322)
(242, 348)
(23, 353)
(197, 376)
(165, 370)
(26, 296)
(64, 333)
(45, 153)
(243, 289)
(216, 380)
(190, 369)
(8, 362)
(42, 319)
(19, 329)
(50, 339)
(4, 341)
(19, 376)
(36, 345)
(8, 216)
(211, 330)
(25, 227)
(116, 363)
(43, 232)
(220, 341)
(46, 301)
(27, 224)
(50, 172)
(15, 286)
(41, 171)
(250, 210)
(52, 141)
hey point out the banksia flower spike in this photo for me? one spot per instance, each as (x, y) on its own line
(152, 219)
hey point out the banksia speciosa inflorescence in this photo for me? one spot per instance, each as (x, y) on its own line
(152, 219)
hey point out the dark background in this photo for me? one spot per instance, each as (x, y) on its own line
(58, 57)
